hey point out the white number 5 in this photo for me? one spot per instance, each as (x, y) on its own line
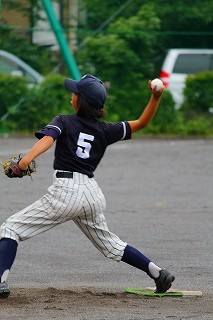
(84, 147)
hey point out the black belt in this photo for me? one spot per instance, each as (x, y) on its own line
(60, 174)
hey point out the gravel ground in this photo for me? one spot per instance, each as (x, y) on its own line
(159, 199)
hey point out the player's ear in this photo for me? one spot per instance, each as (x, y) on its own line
(74, 100)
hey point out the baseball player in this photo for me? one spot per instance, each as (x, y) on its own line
(81, 140)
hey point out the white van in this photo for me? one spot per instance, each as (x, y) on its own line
(182, 62)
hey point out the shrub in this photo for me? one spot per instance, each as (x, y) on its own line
(198, 93)
(53, 98)
(201, 126)
(12, 92)
(29, 109)
(167, 119)
(41, 104)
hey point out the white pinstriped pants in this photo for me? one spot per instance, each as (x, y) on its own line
(79, 199)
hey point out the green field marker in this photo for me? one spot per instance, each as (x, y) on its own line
(150, 292)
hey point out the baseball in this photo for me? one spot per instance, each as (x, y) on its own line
(158, 83)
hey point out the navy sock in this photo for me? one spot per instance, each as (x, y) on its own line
(136, 259)
(8, 249)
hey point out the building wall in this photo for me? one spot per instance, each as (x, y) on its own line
(12, 17)
(15, 19)
(43, 36)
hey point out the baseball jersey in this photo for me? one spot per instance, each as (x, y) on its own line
(81, 142)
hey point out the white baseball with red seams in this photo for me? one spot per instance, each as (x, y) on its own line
(158, 83)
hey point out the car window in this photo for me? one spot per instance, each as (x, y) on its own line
(193, 63)
(12, 68)
(6, 67)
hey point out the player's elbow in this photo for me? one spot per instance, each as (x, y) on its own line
(137, 125)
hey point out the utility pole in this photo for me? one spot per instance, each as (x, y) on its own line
(73, 23)
(65, 50)
(69, 21)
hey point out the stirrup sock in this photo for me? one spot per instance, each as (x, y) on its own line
(8, 249)
(136, 259)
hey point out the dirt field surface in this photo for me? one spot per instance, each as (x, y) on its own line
(91, 303)
(159, 197)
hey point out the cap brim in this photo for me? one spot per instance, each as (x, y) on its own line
(71, 85)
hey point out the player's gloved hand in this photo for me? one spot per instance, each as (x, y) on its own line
(12, 170)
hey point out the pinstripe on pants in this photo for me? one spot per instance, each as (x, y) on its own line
(79, 199)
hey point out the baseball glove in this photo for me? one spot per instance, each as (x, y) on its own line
(12, 170)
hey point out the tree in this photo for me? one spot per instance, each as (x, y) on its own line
(123, 57)
(184, 23)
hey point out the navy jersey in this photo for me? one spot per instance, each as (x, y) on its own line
(81, 142)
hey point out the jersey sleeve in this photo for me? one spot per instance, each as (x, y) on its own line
(54, 129)
(117, 131)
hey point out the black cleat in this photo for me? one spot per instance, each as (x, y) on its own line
(4, 290)
(164, 281)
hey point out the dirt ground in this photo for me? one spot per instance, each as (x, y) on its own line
(159, 199)
(98, 304)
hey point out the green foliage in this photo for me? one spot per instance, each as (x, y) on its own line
(98, 10)
(122, 58)
(121, 50)
(125, 102)
(123, 43)
(139, 42)
(38, 105)
(198, 93)
(182, 19)
(183, 24)
(108, 57)
(14, 44)
(12, 92)
(29, 109)
(53, 98)
(176, 17)
(167, 120)
(201, 126)
(198, 105)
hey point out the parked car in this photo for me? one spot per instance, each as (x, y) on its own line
(9, 63)
(179, 63)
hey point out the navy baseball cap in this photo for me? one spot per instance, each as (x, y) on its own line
(90, 88)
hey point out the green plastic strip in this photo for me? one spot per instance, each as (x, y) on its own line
(150, 293)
